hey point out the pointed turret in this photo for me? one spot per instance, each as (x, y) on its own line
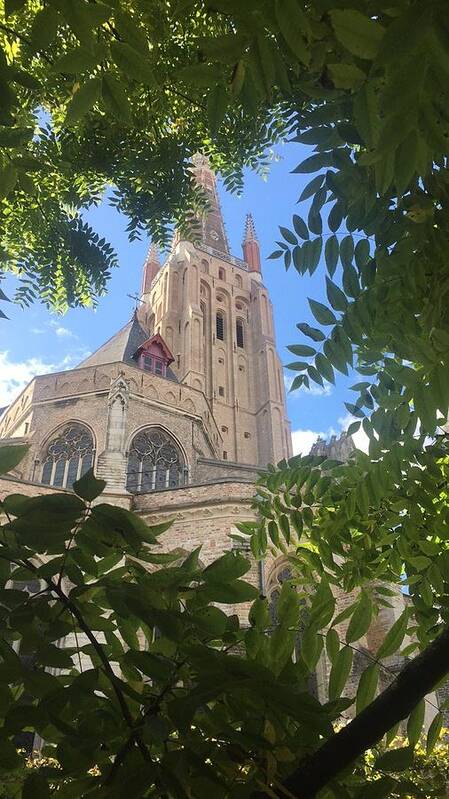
(213, 232)
(150, 268)
(250, 245)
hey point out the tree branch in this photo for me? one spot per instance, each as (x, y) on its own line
(417, 679)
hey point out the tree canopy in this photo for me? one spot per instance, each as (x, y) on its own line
(124, 94)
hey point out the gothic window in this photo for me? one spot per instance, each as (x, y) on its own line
(238, 280)
(68, 456)
(155, 461)
(220, 325)
(239, 333)
(205, 267)
(221, 274)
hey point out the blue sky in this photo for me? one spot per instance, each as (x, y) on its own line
(35, 341)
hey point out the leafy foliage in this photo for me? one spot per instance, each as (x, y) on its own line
(362, 86)
(129, 671)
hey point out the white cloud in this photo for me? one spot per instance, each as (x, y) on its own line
(61, 331)
(15, 375)
(315, 390)
(303, 440)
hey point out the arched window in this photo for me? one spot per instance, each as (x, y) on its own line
(221, 274)
(155, 462)
(204, 267)
(239, 333)
(239, 281)
(220, 325)
(68, 456)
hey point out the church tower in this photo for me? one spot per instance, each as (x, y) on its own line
(213, 311)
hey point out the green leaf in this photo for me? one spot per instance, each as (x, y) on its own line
(132, 63)
(217, 103)
(44, 28)
(288, 235)
(340, 671)
(367, 687)
(324, 367)
(395, 759)
(130, 31)
(362, 253)
(347, 250)
(230, 593)
(312, 164)
(346, 76)
(293, 25)
(331, 253)
(9, 758)
(394, 637)
(115, 98)
(8, 179)
(82, 101)
(229, 567)
(312, 187)
(15, 136)
(11, 6)
(81, 59)
(301, 349)
(36, 787)
(361, 618)
(300, 227)
(89, 487)
(276, 254)
(415, 723)
(357, 33)
(11, 455)
(313, 254)
(434, 732)
(332, 644)
(321, 313)
(312, 332)
(336, 296)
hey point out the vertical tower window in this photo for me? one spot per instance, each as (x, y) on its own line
(220, 326)
(221, 274)
(239, 333)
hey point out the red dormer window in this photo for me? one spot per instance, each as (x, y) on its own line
(154, 356)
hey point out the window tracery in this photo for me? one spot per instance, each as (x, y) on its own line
(155, 462)
(68, 456)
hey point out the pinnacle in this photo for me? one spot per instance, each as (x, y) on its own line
(153, 254)
(250, 229)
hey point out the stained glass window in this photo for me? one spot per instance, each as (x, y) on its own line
(155, 462)
(68, 456)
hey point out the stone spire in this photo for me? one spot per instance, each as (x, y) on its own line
(250, 245)
(150, 268)
(213, 232)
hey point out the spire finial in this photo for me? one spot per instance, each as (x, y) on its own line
(153, 254)
(250, 245)
(250, 229)
(150, 267)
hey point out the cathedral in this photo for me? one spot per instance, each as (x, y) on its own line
(180, 410)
